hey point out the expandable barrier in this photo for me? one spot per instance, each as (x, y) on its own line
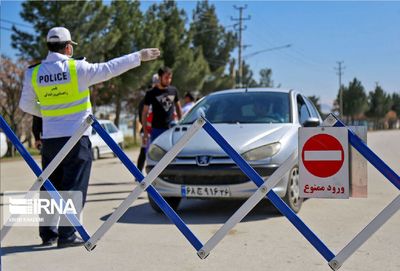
(385, 214)
(144, 182)
(334, 261)
(264, 190)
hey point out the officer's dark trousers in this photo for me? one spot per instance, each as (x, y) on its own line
(71, 175)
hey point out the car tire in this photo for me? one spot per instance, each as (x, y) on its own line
(292, 197)
(172, 201)
(95, 153)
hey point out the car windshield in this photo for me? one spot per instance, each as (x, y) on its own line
(243, 107)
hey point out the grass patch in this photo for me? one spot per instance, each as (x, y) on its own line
(129, 142)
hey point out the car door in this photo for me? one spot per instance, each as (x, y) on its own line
(312, 109)
(103, 146)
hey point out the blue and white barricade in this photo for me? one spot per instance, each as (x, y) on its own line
(385, 214)
(145, 184)
(42, 179)
(265, 189)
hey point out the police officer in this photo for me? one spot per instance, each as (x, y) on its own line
(57, 90)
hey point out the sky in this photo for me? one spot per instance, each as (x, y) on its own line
(365, 36)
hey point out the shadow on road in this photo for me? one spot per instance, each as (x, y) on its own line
(26, 248)
(197, 212)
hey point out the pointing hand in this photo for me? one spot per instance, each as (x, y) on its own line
(149, 54)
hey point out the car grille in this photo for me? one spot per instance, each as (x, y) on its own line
(209, 175)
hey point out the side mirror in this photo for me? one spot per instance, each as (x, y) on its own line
(311, 122)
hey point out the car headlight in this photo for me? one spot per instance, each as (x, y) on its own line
(155, 152)
(262, 152)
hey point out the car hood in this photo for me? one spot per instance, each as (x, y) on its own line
(242, 137)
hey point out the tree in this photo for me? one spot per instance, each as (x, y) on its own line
(190, 70)
(266, 78)
(102, 33)
(354, 99)
(247, 77)
(175, 34)
(216, 43)
(131, 31)
(379, 104)
(188, 63)
(86, 21)
(11, 80)
(396, 103)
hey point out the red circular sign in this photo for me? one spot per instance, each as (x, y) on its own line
(322, 155)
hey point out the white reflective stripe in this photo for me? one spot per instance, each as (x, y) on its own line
(66, 105)
(322, 156)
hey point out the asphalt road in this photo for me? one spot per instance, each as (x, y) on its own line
(145, 240)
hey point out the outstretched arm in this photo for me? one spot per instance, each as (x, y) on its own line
(100, 72)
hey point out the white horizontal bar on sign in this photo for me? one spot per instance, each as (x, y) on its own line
(322, 156)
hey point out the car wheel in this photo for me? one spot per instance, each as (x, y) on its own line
(292, 197)
(172, 201)
(96, 153)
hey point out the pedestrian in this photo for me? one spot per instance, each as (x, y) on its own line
(57, 89)
(189, 102)
(164, 100)
(142, 155)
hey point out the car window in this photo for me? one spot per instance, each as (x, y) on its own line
(111, 128)
(304, 114)
(248, 107)
(313, 110)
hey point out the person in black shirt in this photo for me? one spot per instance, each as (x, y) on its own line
(164, 101)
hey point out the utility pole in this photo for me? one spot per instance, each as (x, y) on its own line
(340, 73)
(239, 27)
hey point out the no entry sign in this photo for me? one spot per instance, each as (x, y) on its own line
(323, 162)
(323, 155)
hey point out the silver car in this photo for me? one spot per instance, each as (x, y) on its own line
(261, 124)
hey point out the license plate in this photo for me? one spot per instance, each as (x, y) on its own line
(205, 191)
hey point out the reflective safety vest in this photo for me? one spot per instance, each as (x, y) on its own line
(62, 98)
